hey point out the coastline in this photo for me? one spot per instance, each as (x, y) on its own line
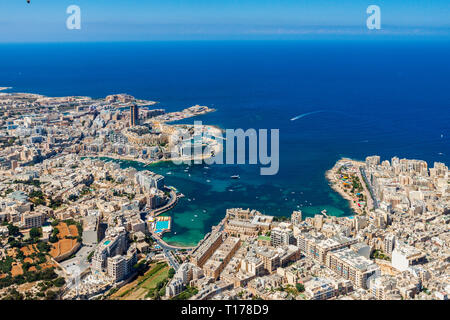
(334, 183)
(217, 148)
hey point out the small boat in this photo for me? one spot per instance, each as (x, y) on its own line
(195, 215)
(208, 180)
(169, 172)
(235, 176)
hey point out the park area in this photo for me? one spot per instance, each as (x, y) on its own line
(145, 286)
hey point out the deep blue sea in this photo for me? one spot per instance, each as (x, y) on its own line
(387, 98)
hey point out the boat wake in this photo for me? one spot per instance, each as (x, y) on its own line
(306, 114)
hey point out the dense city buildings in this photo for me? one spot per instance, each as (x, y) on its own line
(68, 207)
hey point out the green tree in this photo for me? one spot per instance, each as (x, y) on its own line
(300, 287)
(13, 230)
(35, 233)
(171, 273)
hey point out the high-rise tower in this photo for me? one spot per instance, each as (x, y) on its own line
(134, 115)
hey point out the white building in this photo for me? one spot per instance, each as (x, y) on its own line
(405, 256)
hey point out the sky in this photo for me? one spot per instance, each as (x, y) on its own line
(143, 20)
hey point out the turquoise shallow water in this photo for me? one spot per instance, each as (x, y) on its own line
(209, 191)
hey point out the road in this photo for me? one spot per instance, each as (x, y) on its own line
(372, 202)
(80, 259)
(168, 252)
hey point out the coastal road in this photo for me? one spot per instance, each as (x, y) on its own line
(172, 261)
(168, 253)
(371, 201)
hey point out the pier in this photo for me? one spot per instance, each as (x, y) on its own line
(169, 205)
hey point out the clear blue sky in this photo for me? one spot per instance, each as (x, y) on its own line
(111, 20)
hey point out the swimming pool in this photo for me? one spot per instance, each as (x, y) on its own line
(161, 226)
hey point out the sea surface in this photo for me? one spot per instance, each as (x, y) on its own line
(390, 98)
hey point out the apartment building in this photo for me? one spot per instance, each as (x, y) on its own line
(281, 235)
(317, 248)
(349, 265)
(205, 248)
(148, 180)
(121, 266)
(269, 257)
(405, 256)
(32, 220)
(214, 266)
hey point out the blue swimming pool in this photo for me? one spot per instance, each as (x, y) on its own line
(161, 226)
